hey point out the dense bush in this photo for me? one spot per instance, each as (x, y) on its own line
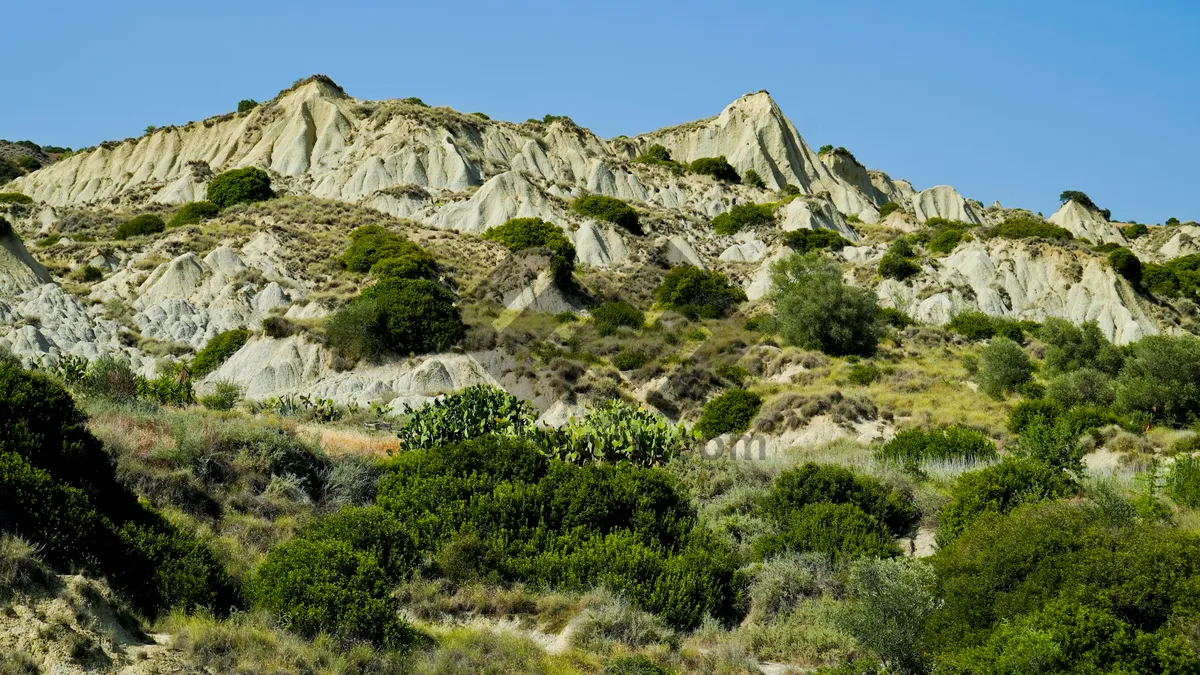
(58, 490)
(475, 411)
(898, 262)
(953, 443)
(110, 377)
(218, 350)
(383, 253)
(945, 235)
(752, 179)
(1003, 366)
(888, 209)
(15, 198)
(816, 309)
(843, 531)
(698, 293)
(608, 208)
(743, 216)
(139, 226)
(817, 483)
(556, 525)
(717, 167)
(863, 373)
(1161, 379)
(1138, 230)
(1125, 263)
(403, 316)
(630, 359)
(1029, 410)
(1079, 198)
(239, 186)
(1019, 227)
(805, 240)
(729, 413)
(519, 234)
(246, 105)
(1058, 587)
(192, 213)
(1070, 347)
(998, 489)
(660, 156)
(617, 314)
(225, 396)
(616, 432)
(1085, 386)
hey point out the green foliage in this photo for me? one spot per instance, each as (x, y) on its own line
(1019, 227)
(218, 350)
(659, 156)
(608, 208)
(1178, 276)
(898, 262)
(1137, 230)
(698, 293)
(1079, 198)
(743, 216)
(945, 235)
(997, 490)
(110, 377)
(825, 149)
(890, 602)
(225, 396)
(863, 373)
(246, 105)
(1183, 481)
(475, 411)
(729, 413)
(404, 316)
(383, 253)
(888, 209)
(805, 240)
(59, 491)
(328, 586)
(1059, 587)
(616, 432)
(717, 167)
(912, 447)
(1054, 443)
(1003, 366)
(85, 274)
(519, 234)
(1124, 262)
(1161, 379)
(552, 524)
(239, 186)
(139, 226)
(1027, 411)
(751, 178)
(814, 483)
(192, 213)
(890, 316)
(15, 198)
(816, 309)
(616, 314)
(843, 531)
(1070, 347)
(630, 359)
(1085, 386)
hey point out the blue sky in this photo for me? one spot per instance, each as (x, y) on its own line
(1014, 100)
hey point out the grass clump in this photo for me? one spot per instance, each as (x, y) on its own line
(193, 213)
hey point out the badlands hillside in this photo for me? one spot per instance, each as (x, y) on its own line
(328, 385)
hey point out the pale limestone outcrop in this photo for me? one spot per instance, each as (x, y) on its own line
(943, 201)
(1085, 223)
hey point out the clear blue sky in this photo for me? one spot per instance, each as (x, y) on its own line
(1013, 100)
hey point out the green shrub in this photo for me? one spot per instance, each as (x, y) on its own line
(888, 209)
(752, 179)
(863, 373)
(225, 396)
(813, 483)
(1019, 227)
(169, 388)
(608, 208)
(1003, 366)
(1161, 379)
(519, 234)
(408, 316)
(218, 350)
(193, 213)
(816, 309)
(698, 293)
(475, 411)
(891, 601)
(953, 443)
(239, 186)
(805, 240)
(1137, 231)
(743, 216)
(717, 167)
(372, 530)
(1079, 198)
(629, 359)
(998, 489)
(616, 432)
(1183, 481)
(351, 334)
(1085, 386)
(656, 153)
(890, 316)
(139, 226)
(246, 105)
(729, 413)
(383, 253)
(1125, 263)
(1026, 412)
(843, 531)
(947, 237)
(85, 274)
(110, 377)
(973, 325)
(326, 586)
(892, 266)
(1070, 347)
(616, 314)
(15, 198)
